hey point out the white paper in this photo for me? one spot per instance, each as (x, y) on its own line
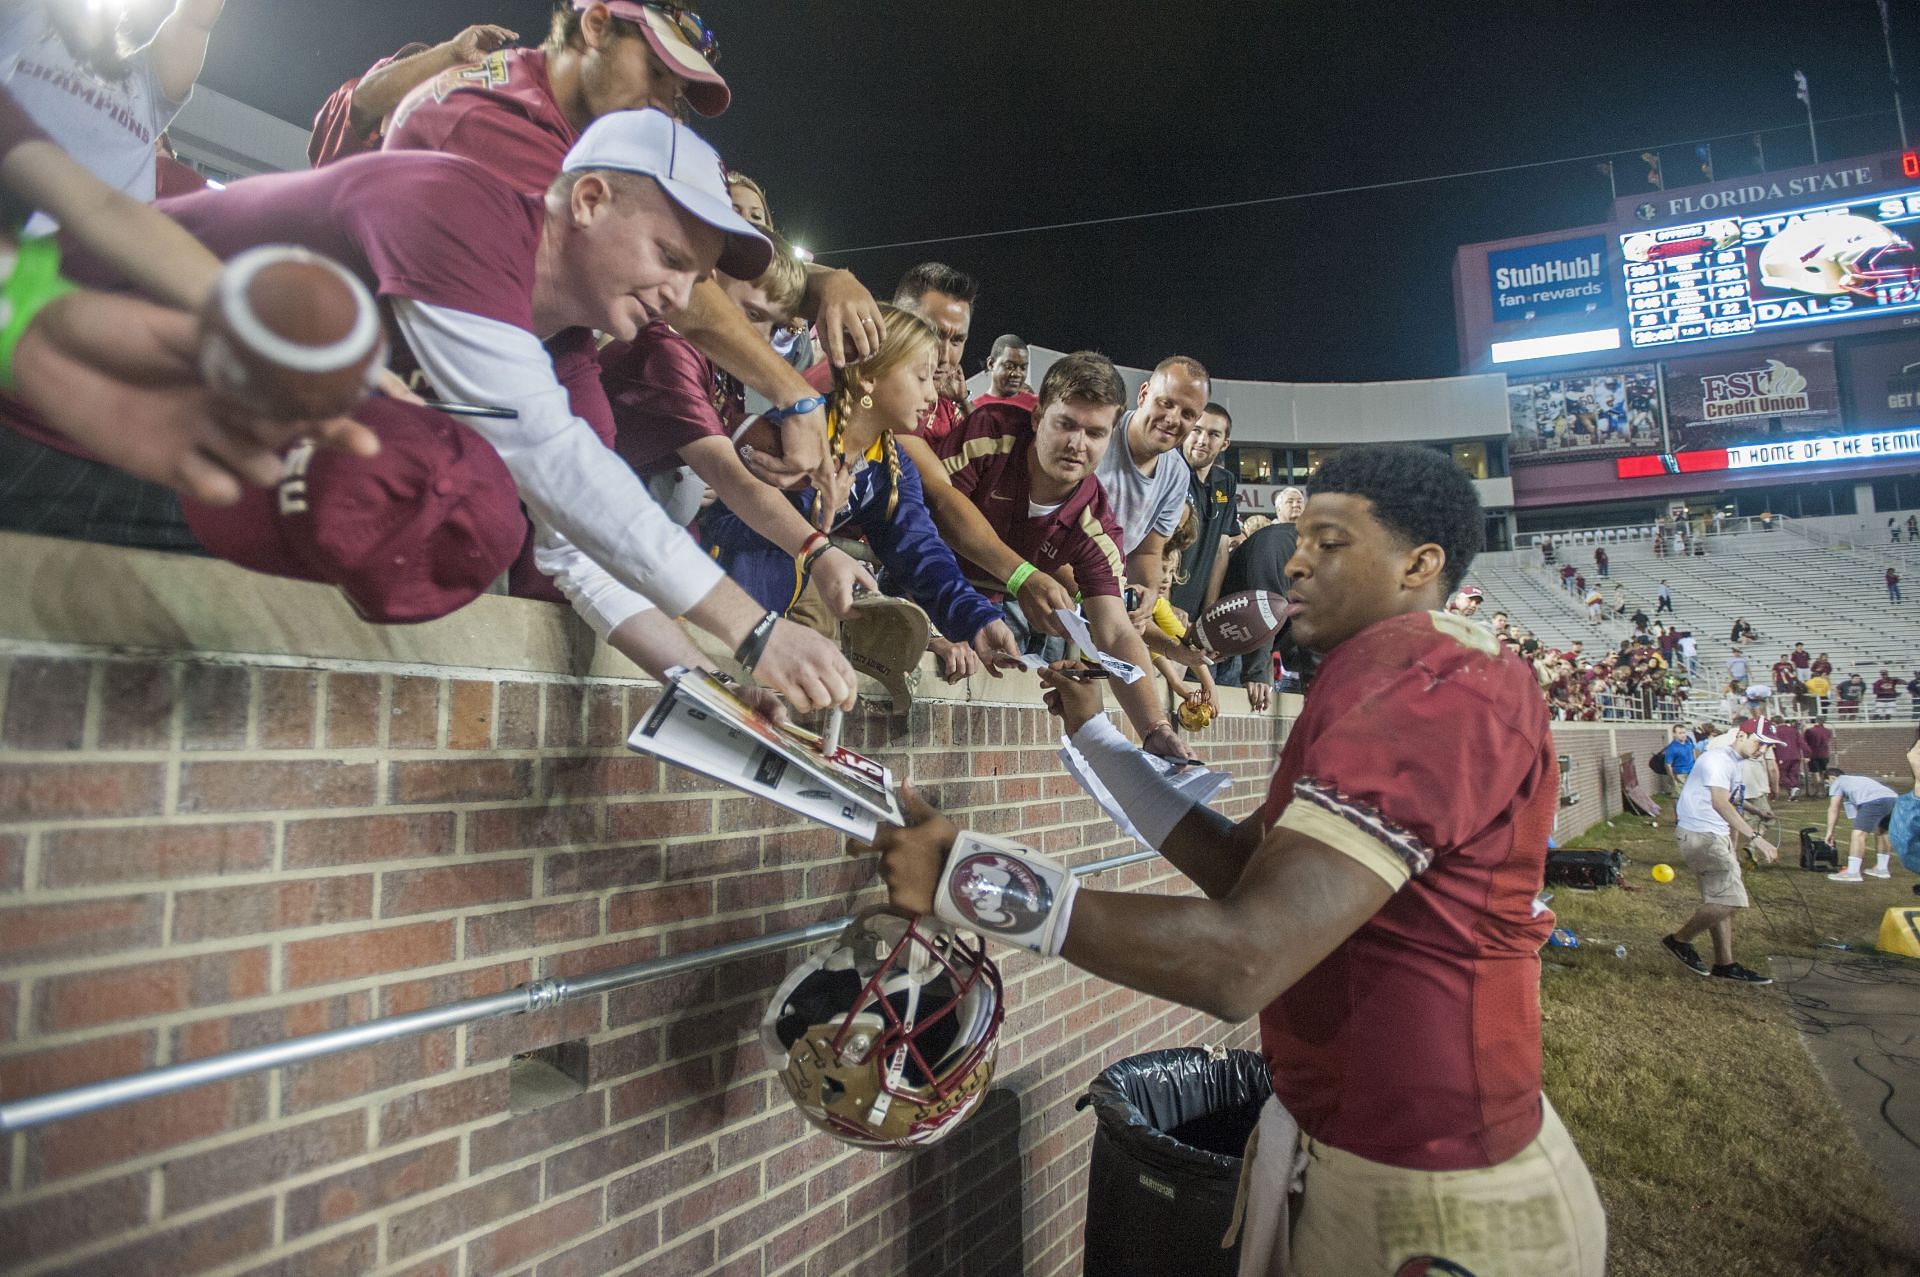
(1076, 627)
(1197, 783)
(701, 726)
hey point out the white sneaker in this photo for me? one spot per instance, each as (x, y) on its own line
(1877, 873)
(1845, 877)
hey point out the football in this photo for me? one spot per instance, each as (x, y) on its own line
(1239, 623)
(290, 335)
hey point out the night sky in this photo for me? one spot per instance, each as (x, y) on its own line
(875, 121)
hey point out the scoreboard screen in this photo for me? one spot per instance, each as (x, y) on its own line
(1734, 276)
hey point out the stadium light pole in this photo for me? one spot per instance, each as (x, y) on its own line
(1893, 76)
(1801, 91)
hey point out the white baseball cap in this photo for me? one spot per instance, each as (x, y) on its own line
(692, 174)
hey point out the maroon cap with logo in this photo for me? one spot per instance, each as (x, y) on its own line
(409, 535)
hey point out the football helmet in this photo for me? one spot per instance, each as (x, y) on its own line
(1841, 254)
(886, 1037)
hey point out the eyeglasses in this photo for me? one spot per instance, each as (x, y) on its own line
(693, 28)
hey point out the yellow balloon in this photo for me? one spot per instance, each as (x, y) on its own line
(1663, 873)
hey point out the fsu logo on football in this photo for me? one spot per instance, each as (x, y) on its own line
(999, 894)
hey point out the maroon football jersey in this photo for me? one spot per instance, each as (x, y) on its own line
(1423, 751)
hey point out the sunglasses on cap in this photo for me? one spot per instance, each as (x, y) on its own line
(692, 28)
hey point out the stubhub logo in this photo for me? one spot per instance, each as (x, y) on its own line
(1544, 279)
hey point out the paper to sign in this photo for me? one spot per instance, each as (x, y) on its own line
(700, 725)
(1076, 627)
(1196, 783)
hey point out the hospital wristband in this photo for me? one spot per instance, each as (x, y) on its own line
(1009, 892)
(1019, 577)
(34, 285)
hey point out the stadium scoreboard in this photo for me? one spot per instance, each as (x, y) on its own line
(1735, 276)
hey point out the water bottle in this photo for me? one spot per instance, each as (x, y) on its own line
(1619, 951)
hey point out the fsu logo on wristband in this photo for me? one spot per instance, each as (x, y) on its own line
(998, 894)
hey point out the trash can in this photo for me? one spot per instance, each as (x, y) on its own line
(1166, 1160)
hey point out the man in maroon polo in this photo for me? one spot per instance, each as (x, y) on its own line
(1031, 476)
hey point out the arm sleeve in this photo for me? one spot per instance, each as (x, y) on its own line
(1098, 566)
(1174, 479)
(582, 498)
(910, 547)
(333, 135)
(1378, 789)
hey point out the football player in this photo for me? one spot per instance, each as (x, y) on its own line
(1368, 914)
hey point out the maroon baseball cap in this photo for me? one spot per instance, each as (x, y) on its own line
(681, 39)
(1762, 730)
(409, 535)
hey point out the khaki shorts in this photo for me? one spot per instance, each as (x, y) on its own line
(1710, 856)
(1536, 1214)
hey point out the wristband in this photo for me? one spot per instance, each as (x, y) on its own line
(814, 556)
(34, 284)
(1019, 577)
(814, 540)
(798, 408)
(755, 644)
(1009, 892)
(1151, 801)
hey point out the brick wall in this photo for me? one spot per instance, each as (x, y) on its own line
(234, 814)
(204, 852)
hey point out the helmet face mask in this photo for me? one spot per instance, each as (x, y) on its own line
(886, 1037)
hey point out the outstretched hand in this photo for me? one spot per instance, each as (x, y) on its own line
(1071, 696)
(912, 856)
(477, 41)
(121, 377)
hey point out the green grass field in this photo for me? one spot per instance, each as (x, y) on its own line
(1717, 1145)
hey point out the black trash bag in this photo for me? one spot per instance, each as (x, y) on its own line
(1166, 1160)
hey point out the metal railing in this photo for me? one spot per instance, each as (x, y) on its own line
(536, 995)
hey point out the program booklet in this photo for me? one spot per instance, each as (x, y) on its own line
(701, 725)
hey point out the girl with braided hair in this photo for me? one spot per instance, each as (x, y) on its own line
(872, 494)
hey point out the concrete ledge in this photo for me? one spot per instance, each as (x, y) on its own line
(75, 594)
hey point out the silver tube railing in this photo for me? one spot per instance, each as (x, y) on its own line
(536, 995)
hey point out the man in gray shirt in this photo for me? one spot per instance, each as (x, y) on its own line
(1146, 481)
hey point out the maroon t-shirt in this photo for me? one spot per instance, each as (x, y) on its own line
(171, 177)
(334, 137)
(475, 254)
(665, 395)
(1416, 1042)
(1819, 741)
(987, 459)
(500, 111)
(1886, 689)
(1025, 399)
